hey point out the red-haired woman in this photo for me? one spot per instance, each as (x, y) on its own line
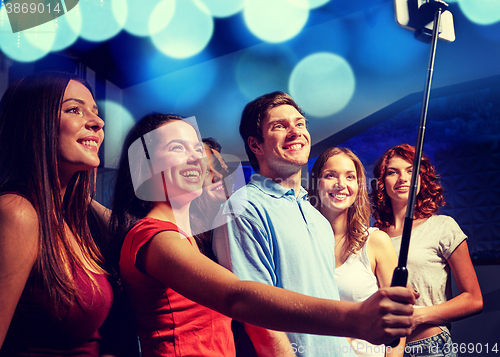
(437, 245)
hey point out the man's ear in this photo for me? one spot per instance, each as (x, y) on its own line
(254, 145)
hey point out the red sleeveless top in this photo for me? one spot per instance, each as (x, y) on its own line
(169, 324)
(36, 331)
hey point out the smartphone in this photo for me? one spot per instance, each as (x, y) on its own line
(418, 15)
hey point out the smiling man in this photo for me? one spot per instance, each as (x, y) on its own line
(269, 232)
(279, 238)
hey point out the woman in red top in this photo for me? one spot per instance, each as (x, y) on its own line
(179, 296)
(54, 294)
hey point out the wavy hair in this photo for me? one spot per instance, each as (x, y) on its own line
(429, 198)
(359, 213)
(29, 130)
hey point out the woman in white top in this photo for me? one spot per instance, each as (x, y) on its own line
(364, 257)
(437, 245)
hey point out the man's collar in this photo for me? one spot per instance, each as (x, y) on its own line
(273, 188)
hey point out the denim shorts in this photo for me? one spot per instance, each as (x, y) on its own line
(439, 345)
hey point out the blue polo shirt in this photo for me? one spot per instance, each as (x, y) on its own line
(265, 234)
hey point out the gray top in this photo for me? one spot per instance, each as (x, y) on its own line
(431, 244)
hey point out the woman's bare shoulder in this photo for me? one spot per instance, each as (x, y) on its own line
(379, 238)
(18, 220)
(17, 208)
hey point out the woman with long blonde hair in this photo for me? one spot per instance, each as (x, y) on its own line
(364, 257)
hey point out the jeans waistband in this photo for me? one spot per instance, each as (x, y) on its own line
(441, 337)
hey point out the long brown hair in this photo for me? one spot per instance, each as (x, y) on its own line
(429, 199)
(29, 130)
(359, 213)
(127, 208)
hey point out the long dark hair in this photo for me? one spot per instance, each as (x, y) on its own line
(359, 213)
(429, 199)
(29, 129)
(127, 208)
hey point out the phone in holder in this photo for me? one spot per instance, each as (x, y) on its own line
(418, 16)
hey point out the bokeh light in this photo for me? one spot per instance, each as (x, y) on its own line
(223, 8)
(118, 123)
(139, 13)
(42, 36)
(102, 19)
(323, 83)
(483, 12)
(161, 16)
(187, 33)
(263, 69)
(17, 46)
(68, 28)
(276, 20)
(316, 3)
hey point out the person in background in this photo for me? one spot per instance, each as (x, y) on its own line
(437, 246)
(205, 207)
(212, 144)
(54, 292)
(182, 300)
(364, 257)
(268, 231)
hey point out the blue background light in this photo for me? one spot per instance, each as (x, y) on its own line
(276, 20)
(188, 32)
(42, 36)
(17, 46)
(383, 47)
(118, 123)
(68, 29)
(161, 16)
(224, 8)
(316, 3)
(102, 19)
(263, 69)
(483, 12)
(139, 13)
(323, 84)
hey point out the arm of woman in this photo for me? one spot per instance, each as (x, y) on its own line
(381, 251)
(468, 302)
(18, 252)
(381, 318)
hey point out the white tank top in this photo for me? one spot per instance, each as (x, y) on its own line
(356, 282)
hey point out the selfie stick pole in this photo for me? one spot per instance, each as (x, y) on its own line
(400, 276)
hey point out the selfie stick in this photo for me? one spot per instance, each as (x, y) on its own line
(400, 276)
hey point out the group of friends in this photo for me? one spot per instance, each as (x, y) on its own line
(302, 270)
